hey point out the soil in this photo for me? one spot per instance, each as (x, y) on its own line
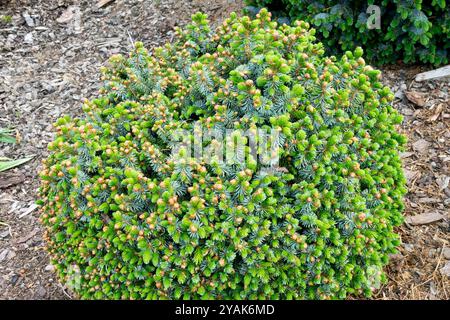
(50, 55)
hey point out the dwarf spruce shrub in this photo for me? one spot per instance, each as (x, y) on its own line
(411, 31)
(130, 215)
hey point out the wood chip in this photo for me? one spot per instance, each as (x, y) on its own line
(49, 268)
(27, 237)
(396, 257)
(28, 210)
(9, 180)
(424, 218)
(405, 155)
(446, 253)
(445, 270)
(418, 98)
(67, 15)
(443, 182)
(7, 254)
(436, 112)
(429, 200)
(421, 145)
(434, 74)
(14, 206)
(103, 3)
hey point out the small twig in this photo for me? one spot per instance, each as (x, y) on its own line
(439, 259)
(67, 295)
(425, 282)
(434, 272)
(444, 287)
(392, 279)
(9, 227)
(131, 39)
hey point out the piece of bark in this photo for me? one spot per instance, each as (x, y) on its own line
(436, 112)
(26, 237)
(445, 270)
(405, 155)
(9, 180)
(421, 146)
(424, 218)
(102, 3)
(418, 98)
(67, 15)
(28, 210)
(429, 200)
(434, 74)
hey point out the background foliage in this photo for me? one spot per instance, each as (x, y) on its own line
(411, 30)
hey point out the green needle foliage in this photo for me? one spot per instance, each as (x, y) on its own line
(411, 31)
(125, 220)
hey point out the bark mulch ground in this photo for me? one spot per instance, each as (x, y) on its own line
(50, 54)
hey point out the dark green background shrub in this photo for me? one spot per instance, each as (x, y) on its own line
(411, 31)
(125, 219)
